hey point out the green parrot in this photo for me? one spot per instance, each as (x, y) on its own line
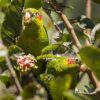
(64, 66)
(58, 66)
(34, 36)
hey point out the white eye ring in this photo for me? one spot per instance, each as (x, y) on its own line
(27, 15)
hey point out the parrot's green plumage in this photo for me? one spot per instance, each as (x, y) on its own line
(34, 36)
(60, 66)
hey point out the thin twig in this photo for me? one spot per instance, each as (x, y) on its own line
(92, 77)
(70, 29)
(13, 74)
(88, 8)
(9, 65)
(88, 14)
(89, 72)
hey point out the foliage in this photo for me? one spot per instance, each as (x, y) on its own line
(88, 58)
(47, 63)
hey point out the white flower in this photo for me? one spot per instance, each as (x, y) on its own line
(26, 62)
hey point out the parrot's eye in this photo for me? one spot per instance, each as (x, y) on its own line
(35, 14)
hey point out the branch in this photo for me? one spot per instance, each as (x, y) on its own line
(9, 65)
(88, 8)
(89, 72)
(88, 31)
(59, 10)
(13, 74)
(92, 77)
(88, 12)
(70, 29)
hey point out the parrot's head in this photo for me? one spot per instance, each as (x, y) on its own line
(32, 17)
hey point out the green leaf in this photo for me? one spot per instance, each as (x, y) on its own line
(29, 91)
(50, 48)
(2, 64)
(5, 77)
(12, 25)
(33, 4)
(7, 96)
(63, 38)
(59, 86)
(2, 16)
(97, 39)
(4, 3)
(14, 49)
(34, 91)
(91, 57)
(3, 51)
(69, 95)
(46, 56)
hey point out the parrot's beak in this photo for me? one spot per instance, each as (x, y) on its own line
(39, 17)
(27, 17)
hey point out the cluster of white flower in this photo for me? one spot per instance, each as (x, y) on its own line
(26, 62)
